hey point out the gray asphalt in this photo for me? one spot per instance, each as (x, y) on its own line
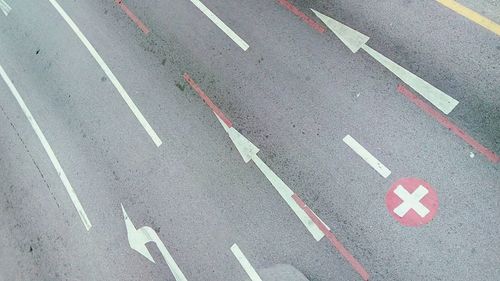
(295, 93)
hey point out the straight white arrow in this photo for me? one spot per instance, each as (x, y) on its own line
(137, 239)
(355, 40)
(249, 152)
(5, 7)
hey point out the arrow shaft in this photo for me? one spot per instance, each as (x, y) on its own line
(287, 195)
(438, 98)
(152, 236)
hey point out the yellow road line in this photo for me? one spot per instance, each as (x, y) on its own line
(472, 15)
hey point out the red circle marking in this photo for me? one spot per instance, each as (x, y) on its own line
(408, 216)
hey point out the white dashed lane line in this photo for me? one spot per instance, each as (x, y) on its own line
(367, 156)
(48, 150)
(229, 32)
(254, 276)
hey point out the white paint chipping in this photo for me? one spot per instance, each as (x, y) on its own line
(254, 276)
(229, 32)
(367, 156)
(107, 71)
(48, 150)
(5, 7)
(138, 238)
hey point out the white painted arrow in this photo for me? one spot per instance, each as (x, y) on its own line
(137, 239)
(356, 40)
(5, 7)
(249, 152)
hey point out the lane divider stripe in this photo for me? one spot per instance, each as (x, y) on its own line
(220, 24)
(367, 156)
(207, 100)
(254, 276)
(313, 24)
(133, 17)
(333, 240)
(448, 124)
(48, 150)
(107, 71)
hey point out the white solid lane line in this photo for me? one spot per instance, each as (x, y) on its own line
(5, 7)
(367, 156)
(48, 149)
(254, 276)
(108, 72)
(229, 32)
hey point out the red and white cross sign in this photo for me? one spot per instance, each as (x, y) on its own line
(412, 201)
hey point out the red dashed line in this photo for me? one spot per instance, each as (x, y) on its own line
(133, 17)
(333, 240)
(207, 100)
(448, 124)
(314, 25)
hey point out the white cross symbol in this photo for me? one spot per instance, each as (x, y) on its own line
(411, 201)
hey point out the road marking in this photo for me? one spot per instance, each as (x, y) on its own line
(313, 24)
(48, 150)
(490, 155)
(311, 221)
(411, 201)
(229, 32)
(248, 151)
(471, 15)
(355, 40)
(5, 7)
(110, 74)
(333, 239)
(138, 238)
(133, 17)
(367, 156)
(245, 263)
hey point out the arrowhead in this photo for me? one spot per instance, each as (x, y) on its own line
(247, 149)
(353, 39)
(136, 238)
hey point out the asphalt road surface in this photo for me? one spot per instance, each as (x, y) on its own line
(109, 141)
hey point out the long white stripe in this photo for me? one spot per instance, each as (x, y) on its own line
(229, 32)
(438, 98)
(367, 156)
(254, 276)
(5, 7)
(108, 72)
(48, 149)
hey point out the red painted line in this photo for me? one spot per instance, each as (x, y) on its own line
(133, 17)
(333, 240)
(313, 24)
(207, 100)
(448, 124)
